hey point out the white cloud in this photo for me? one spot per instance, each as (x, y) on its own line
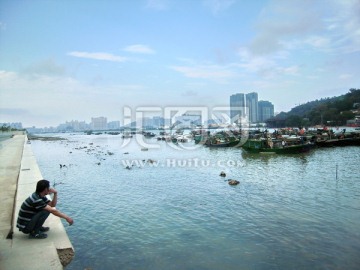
(345, 25)
(139, 48)
(345, 76)
(254, 63)
(44, 99)
(98, 56)
(318, 41)
(45, 67)
(6, 75)
(282, 20)
(157, 4)
(292, 70)
(333, 26)
(211, 72)
(265, 66)
(217, 6)
(2, 26)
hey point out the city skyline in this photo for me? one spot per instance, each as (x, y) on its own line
(258, 111)
(62, 60)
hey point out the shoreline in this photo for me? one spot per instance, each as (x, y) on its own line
(19, 175)
(44, 138)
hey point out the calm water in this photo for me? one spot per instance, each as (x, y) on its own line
(288, 212)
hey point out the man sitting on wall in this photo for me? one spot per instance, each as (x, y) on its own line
(36, 209)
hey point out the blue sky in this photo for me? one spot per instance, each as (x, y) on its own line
(73, 60)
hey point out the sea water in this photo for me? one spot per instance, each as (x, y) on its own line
(171, 209)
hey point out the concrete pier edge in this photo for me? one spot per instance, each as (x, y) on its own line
(20, 252)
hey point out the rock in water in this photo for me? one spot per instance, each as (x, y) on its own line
(233, 182)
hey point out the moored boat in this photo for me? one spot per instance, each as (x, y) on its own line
(274, 146)
(338, 142)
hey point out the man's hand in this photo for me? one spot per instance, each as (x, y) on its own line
(52, 190)
(70, 221)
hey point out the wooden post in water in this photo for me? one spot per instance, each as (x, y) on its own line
(336, 171)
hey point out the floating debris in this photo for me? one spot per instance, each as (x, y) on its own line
(222, 174)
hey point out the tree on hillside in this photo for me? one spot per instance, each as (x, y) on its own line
(5, 128)
(332, 111)
(293, 121)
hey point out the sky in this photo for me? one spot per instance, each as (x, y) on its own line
(78, 59)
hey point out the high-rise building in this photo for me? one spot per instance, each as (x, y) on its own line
(266, 110)
(99, 123)
(114, 125)
(252, 104)
(73, 125)
(158, 121)
(237, 107)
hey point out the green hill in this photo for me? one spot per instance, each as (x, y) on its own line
(327, 111)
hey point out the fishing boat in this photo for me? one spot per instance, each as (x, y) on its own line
(216, 141)
(343, 138)
(149, 134)
(276, 146)
(339, 142)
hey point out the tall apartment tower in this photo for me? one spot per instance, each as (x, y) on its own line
(237, 106)
(99, 123)
(252, 104)
(266, 110)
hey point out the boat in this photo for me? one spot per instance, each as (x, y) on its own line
(126, 135)
(149, 134)
(339, 139)
(338, 142)
(278, 146)
(220, 141)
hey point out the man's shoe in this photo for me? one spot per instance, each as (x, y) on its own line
(37, 235)
(44, 229)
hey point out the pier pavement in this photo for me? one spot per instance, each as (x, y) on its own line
(19, 174)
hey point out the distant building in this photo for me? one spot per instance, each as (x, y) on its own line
(158, 121)
(266, 110)
(252, 104)
(237, 107)
(73, 126)
(247, 105)
(187, 120)
(147, 122)
(98, 123)
(113, 125)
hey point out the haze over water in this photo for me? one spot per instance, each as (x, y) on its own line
(288, 212)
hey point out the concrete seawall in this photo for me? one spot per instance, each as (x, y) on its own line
(19, 175)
